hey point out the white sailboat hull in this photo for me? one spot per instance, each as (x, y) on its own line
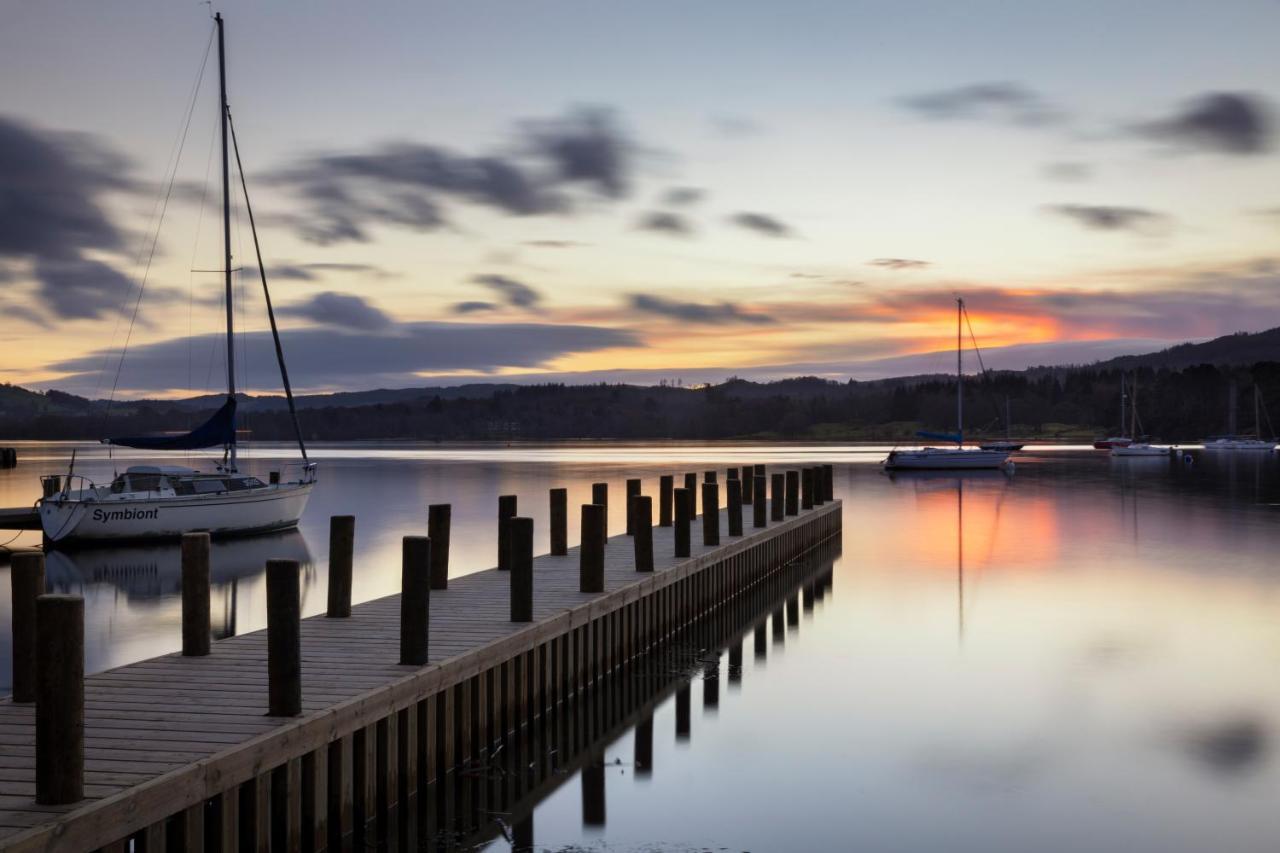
(275, 507)
(1239, 444)
(1140, 450)
(946, 459)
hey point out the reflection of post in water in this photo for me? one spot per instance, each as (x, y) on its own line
(644, 747)
(960, 552)
(762, 641)
(593, 792)
(711, 683)
(735, 661)
(683, 702)
(779, 628)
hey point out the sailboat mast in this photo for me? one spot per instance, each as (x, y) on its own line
(959, 374)
(226, 224)
(1123, 404)
(1257, 419)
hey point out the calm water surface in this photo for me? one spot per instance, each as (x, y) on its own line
(1082, 655)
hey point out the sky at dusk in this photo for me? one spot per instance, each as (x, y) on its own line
(482, 191)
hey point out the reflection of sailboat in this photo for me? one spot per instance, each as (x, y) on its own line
(153, 571)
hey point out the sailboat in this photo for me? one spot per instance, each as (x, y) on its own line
(1008, 444)
(165, 501)
(1234, 442)
(950, 458)
(1135, 447)
(1117, 440)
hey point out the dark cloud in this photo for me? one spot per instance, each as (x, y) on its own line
(405, 183)
(683, 196)
(1235, 123)
(321, 358)
(807, 275)
(761, 223)
(313, 271)
(515, 293)
(554, 244)
(719, 313)
(1068, 171)
(1230, 747)
(473, 307)
(1101, 217)
(341, 310)
(52, 187)
(1000, 101)
(665, 222)
(898, 263)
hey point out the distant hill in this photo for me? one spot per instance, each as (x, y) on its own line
(1240, 349)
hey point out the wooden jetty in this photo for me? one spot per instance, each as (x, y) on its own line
(179, 752)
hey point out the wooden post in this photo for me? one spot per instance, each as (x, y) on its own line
(26, 583)
(273, 478)
(593, 809)
(521, 569)
(415, 599)
(284, 639)
(735, 506)
(644, 747)
(642, 515)
(506, 510)
(439, 520)
(195, 594)
(806, 488)
(732, 473)
(633, 490)
(778, 504)
(684, 519)
(793, 493)
(342, 537)
(829, 482)
(711, 682)
(760, 507)
(666, 486)
(60, 700)
(709, 477)
(591, 553)
(684, 703)
(600, 495)
(748, 483)
(691, 483)
(710, 513)
(559, 522)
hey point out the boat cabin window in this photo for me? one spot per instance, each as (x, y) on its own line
(136, 483)
(208, 487)
(239, 484)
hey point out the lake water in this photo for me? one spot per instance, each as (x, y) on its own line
(1080, 655)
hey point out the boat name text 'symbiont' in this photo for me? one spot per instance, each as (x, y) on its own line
(126, 514)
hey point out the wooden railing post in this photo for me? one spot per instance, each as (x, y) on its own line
(710, 513)
(521, 569)
(829, 482)
(806, 488)
(591, 553)
(195, 594)
(506, 510)
(342, 537)
(748, 483)
(633, 490)
(559, 522)
(735, 506)
(684, 520)
(777, 505)
(642, 515)
(793, 493)
(415, 599)
(439, 520)
(761, 506)
(709, 477)
(691, 483)
(60, 699)
(666, 488)
(600, 495)
(26, 583)
(284, 639)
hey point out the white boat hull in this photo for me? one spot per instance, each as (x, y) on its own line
(228, 514)
(1240, 444)
(1133, 450)
(940, 459)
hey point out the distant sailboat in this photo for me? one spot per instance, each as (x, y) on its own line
(1117, 440)
(1135, 447)
(1234, 442)
(163, 501)
(1008, 445)
(950, 458)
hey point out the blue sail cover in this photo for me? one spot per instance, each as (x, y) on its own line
(940, 436)
(218, 430)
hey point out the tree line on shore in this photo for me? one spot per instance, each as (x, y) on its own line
(1046, 403)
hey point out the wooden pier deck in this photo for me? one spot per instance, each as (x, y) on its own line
(179, 751)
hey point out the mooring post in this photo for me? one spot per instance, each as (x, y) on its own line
(26, 583)
(711, 682)
(633, 489)
(415, 599)
(829, 482)
(806, 488)
(593, 809)
(60, 699)
(778, 504)
(642, 513)
(559, 522)
(748, 484)
(793, 493)
(342, 539)
(506, 510)
(760, 507)
(691, 483)
(735, 661)
(439, 519)
(644, 747)
(684, 519)
(666, 486)
(195, 594)
(710, 514)
(284, 640)
(591, 553)
(735, 506)
(521, 569)
(273, 478)
(709, 477)
(600, 495)
(819, 485)
(732, 473)
(684, 703)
